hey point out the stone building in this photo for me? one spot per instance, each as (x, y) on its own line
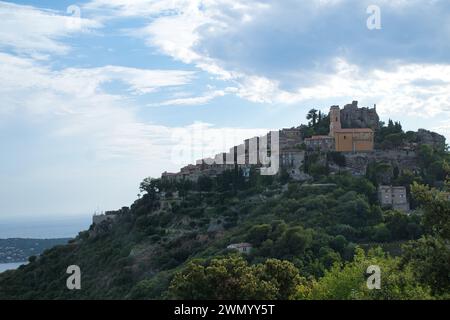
(99, 218)
(349, 139)
(342, 139)
(255, 152)
(241, 247)
(394, 197)
(290, 139)
(322, 143)
(169, 175)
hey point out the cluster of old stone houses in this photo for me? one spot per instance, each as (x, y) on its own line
(262, 152)
(351, 132)
(277, 148)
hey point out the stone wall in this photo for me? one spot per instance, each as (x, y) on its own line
(357, 163)
(97, 219)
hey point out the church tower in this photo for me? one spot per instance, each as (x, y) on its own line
(335, 119)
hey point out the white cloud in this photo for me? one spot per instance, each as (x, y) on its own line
(198, 100)
(231, 40)
(140, 81)
(38, 32)
(27, 74)
(71, 103)
(444, 129)
(421, 90)
(127, 8)
(84, 147)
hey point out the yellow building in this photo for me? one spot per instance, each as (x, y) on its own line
(351, 139)
(342, 140)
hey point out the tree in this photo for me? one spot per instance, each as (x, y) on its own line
(447, 176)
(232, 278)
(345, 281)
(425, 155)
(379, 172)
(151, 288)
(397, 223)
(293, 242)
(312, 115)
(430, 255)
(205, 183)
(339, 243)
(381, 233)
(436, 209)
(150, 185)
(258, 234)
(283, 275)
(430, 260)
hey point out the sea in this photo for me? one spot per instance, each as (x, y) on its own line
(41, 227)
(10, 266)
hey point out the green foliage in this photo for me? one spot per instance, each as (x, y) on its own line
(346, 281)
(307, 229)
(318, 124)
(390, 136)
(153, 288)
(233, 278)
(379, 173)
(259, 234)
(402, 226)
(293, 242)
(436, 208)
(430, 255)
(312, 115)
(433, 164)
(430, 261)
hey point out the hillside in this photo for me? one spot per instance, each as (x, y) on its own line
(306, 239)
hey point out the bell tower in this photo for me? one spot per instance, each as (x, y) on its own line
(335, 119)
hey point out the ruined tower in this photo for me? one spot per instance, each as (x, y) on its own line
(354, 117)
(335, 119)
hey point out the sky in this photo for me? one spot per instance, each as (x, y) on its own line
(96, 95)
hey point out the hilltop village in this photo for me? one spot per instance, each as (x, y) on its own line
(348, 189)
(351, 139)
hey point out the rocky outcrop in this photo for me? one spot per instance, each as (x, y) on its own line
(354, 117)
(432, 139)
(357, 163)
